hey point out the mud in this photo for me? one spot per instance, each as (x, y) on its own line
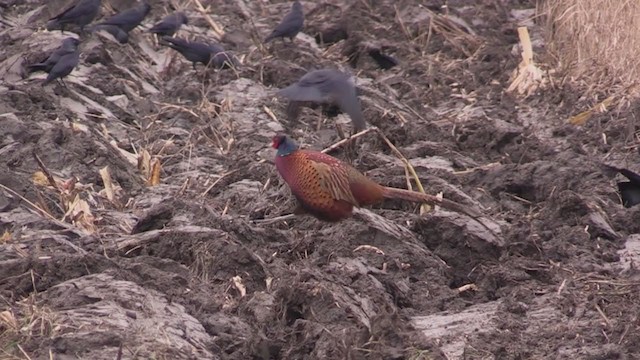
(182, 270)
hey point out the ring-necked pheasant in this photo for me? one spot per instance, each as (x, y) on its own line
(329, 189)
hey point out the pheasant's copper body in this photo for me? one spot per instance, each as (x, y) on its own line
(328, 188)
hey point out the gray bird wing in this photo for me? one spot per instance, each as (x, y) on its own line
(317, 86)
(169, 23)
(129, 18)
(216, 48)
(70, 43)
(290, 25)
(225, 60)
(66, 63)
(192, 51)
(347, 99)
(62, 50)
(80, 8)
(296, 92)
(334, 87)
(115, 31)
(291, 22)
(55, 56)
(317, 78)
(293, 110)
(63, 67)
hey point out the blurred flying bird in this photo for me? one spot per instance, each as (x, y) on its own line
(629, 190)
(170, 24)
(325, 86)
(329, 189)
(128, 19)
(80, 13)
(68, 46)
(290, 25)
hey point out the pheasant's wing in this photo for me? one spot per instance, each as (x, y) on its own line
(334, 181)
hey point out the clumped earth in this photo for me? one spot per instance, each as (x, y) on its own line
(129, 267)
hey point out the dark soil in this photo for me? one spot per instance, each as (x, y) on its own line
(181, 270)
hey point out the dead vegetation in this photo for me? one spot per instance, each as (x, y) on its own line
(593, 46)
(594, 40)
(23, 323)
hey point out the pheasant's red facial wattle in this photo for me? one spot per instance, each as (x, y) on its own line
(277, 141)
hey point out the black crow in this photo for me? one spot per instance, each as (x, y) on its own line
(81, 13)
(170, 24)
(290, 25)
(629, 190)
(63, 67)
(120, 35)
(199, 52)
(128, 19)
(68, 46)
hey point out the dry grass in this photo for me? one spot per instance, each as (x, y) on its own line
(595, 41)
(26, 323)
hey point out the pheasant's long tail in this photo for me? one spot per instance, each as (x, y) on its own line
(413, 196)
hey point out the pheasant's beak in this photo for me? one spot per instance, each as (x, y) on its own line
(274, 144)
